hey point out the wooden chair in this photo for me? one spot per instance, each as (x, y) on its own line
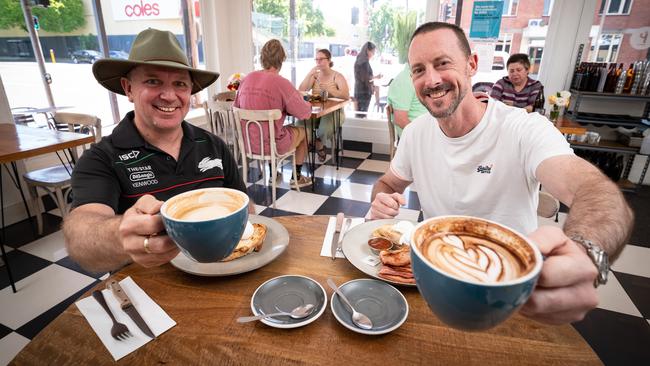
(53, 179)
(392, 138)
(257, 119)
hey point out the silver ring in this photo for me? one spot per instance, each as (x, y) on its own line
(146, 245)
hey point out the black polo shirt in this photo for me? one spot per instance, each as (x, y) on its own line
(123, 167)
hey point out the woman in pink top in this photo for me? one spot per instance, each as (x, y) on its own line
(266, 89)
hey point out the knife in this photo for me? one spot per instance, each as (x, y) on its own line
(337, 232)
(346, 227)
(128, 307)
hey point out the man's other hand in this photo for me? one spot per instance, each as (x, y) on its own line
(386, 206)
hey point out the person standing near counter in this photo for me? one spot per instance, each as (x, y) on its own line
(364, 78)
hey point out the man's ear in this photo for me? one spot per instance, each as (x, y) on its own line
(472, 64)
(126, 85)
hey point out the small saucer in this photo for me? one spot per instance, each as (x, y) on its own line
(382, 303)
(285, 293)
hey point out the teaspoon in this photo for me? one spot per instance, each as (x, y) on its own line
(359, 319)
(300, 312)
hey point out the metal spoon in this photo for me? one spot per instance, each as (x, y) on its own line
(300, 312)
(359, 319)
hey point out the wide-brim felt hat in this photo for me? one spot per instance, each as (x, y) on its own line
(151, 47)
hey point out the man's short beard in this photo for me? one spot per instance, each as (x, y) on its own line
(452, 107)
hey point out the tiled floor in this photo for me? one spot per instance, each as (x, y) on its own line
(48, 281)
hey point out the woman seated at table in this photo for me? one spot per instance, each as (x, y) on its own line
(266, 89)
(323, 78)
(517, 89)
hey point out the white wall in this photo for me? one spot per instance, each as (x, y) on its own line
(228, 39)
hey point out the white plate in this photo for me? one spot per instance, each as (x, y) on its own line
(276, 241)
(356, 249)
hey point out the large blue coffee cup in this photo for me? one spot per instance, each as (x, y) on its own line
(469, 303)
(206, 224)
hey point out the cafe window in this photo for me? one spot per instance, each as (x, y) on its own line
(504, 43)
(616, 7)
(608, 47)
(510, 7)
(548, 5)
(69, 52)
(342, 28)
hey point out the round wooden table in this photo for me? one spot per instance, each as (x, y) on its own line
(205, 309)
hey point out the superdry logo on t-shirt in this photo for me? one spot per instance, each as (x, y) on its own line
(484, 169)
(207, 164)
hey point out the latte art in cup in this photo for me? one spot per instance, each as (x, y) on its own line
(473, 273)
(204, 205)
(473, 258)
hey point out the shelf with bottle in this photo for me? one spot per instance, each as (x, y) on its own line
(612, 120)
(612, 79)
(609, 157)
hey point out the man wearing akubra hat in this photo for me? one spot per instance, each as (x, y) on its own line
(120, 183)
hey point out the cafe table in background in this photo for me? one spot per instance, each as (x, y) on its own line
(319, 109)
(206, 309)
(19, 142)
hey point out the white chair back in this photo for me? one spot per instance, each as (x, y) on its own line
(251, 120)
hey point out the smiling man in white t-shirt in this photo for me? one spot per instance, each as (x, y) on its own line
(488, 160)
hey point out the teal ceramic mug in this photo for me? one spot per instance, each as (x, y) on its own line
(206, 224)
(473, 273)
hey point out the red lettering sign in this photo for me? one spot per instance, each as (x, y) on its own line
(141, 9)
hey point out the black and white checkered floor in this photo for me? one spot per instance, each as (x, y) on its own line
(48, 281)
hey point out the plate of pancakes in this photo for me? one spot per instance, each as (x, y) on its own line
(393, 264)
(268, 240)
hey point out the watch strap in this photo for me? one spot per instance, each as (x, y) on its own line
(598, 256)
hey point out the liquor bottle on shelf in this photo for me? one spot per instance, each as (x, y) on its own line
(586, 76)
(538, 106)
(577, 77)
(612, 76)
(595, 78)
(621, 76)
(644, 85)
(629, 79)
(603, 78)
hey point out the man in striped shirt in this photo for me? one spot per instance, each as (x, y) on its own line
(517, 89)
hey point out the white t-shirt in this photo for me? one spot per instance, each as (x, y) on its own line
(489, 172)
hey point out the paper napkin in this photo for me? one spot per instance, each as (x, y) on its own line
(326, 250)
(155, 317)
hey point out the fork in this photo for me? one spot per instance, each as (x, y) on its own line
(119, 331)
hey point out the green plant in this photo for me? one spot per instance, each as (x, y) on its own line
(381, 26)
(405, 24)
(62, 16)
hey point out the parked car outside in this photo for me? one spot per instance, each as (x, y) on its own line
(118, 54)
(483, 80)
(89, 56)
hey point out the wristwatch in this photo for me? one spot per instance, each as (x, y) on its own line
(598, 256)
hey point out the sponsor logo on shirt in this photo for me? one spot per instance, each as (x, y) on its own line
(142, 176)
(128, 156)
(484, 169)
(207, 164)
